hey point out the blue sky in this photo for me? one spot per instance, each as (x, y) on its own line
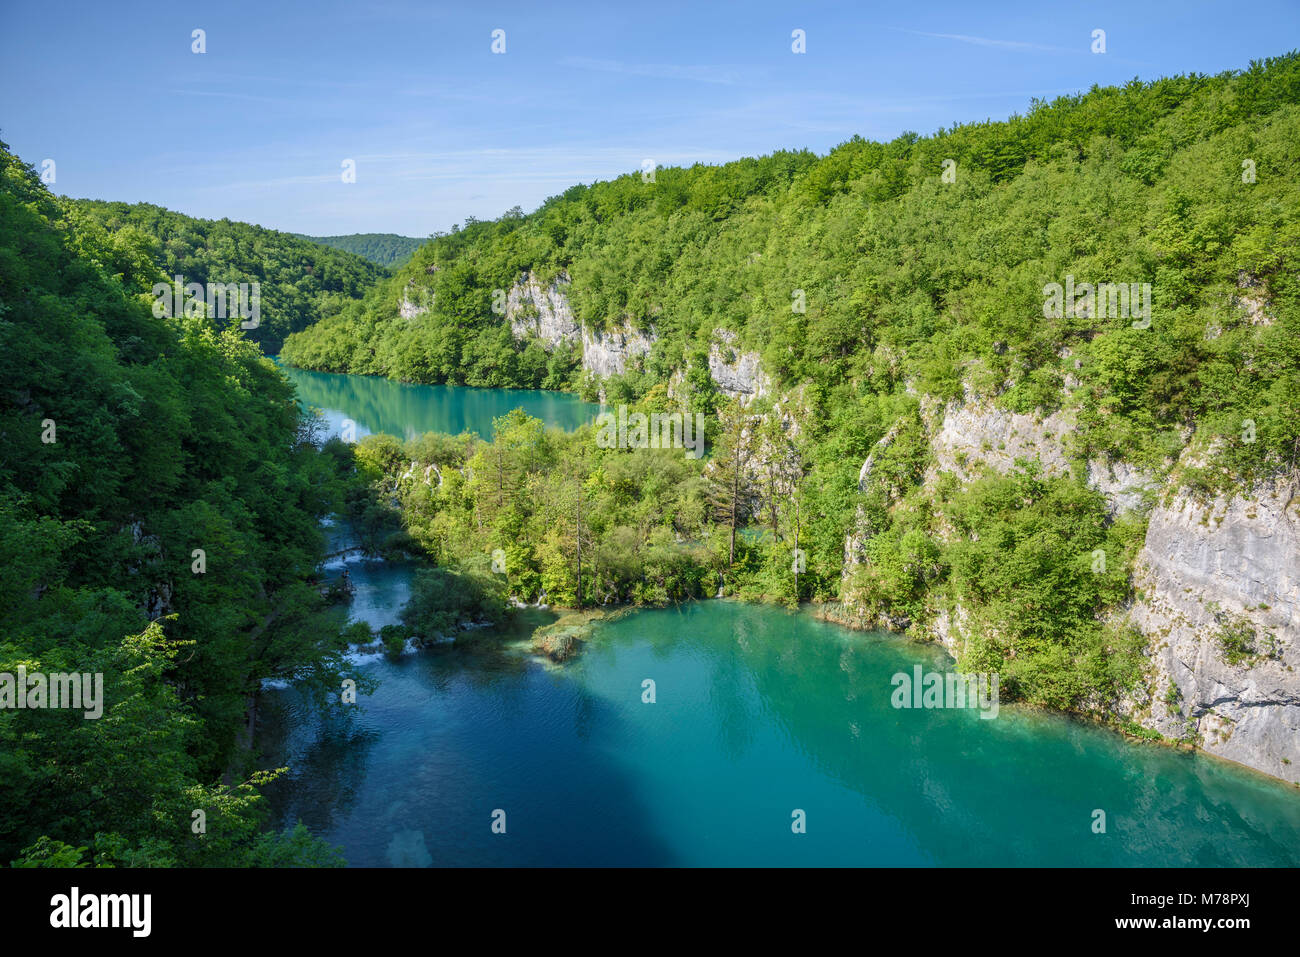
(440, 128)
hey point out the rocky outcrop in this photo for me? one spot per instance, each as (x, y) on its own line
(1253, 300)
(736, 373)
(776, 466)
(948, 629)
(416, 301)
(976, 433)
(1125, 487)
(542, 312)
(1207, 571)
(973, 434)
(610, 352)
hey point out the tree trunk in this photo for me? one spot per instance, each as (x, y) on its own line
(735, 495)
(796, 551)
(578, 538)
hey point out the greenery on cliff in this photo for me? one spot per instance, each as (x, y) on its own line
(159, 501)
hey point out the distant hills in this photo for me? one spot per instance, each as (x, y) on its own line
(383, 249)
(300, 281)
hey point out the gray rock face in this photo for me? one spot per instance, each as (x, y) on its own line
(1124, 486)
(975, 433)
(545, 313)
(1243, 555)
(1253, 300)
(607, 353)
(735, 373)
(776, 466)
(410, 307)
(948, 629)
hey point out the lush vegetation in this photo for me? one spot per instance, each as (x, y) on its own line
(382, 249)
(544, 515)
(160, 494)
(300, 281)
(871, 285)
(909, 279)
(541, 515)
(873, 289)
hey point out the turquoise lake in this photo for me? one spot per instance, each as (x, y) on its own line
(758, 713)
(407, 410)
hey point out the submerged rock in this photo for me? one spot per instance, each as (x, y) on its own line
(563, 639)
(408, 849)
(558, 647)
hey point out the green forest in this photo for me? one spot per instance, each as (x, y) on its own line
(161, 490)
(160, 494)
(301, 281)
(382, 249)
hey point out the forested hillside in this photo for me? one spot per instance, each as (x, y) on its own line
(159, 501)
(301, 282)
(383, 249)
(865, 273)
(888, 290)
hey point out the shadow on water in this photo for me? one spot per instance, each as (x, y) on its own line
(452, 735)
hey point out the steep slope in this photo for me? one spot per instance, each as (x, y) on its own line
(159, 501)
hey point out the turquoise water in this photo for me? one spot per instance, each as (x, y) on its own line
(406, 410)
(758, 713)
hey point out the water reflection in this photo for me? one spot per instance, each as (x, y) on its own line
(408, 410)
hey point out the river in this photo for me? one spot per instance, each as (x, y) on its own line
(771, 740)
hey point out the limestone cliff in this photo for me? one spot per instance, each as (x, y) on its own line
(736, 373)
(541, 311)
(415, 301)
(1218, 585)
(972, 433)
(609, 352)
(1207, 572)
